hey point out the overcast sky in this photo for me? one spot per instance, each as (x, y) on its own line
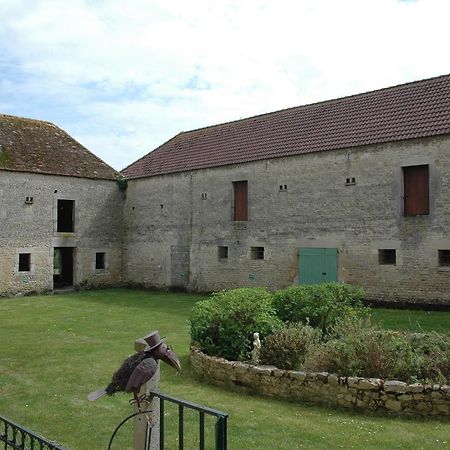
(124, 76)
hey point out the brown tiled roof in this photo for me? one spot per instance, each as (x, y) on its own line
(407, 111)
(28, 145)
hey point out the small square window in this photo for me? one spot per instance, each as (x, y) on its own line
(223, 252)
(24, 262)
(257, 252)
(99, 260)
(387, 257)
(444, 257)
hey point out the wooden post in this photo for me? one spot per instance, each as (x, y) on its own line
(146, 437)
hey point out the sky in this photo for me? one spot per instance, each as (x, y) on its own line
(124, 76)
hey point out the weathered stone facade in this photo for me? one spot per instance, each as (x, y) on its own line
(174, 223)
(30, 228)
(168, 230)
(349, 190)
(393, 397)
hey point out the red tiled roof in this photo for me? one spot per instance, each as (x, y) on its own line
(28, 145)
(407, 111)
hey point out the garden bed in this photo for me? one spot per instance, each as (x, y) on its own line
(393, 397)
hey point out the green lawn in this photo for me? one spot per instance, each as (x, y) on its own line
(56, 349)
(412, 320)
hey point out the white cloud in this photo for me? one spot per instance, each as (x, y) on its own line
(123, 77)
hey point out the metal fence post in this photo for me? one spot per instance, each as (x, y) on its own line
(221, 433)
(146, 437)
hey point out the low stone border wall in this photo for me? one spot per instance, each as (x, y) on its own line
(373, 394)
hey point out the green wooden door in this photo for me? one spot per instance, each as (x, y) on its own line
(317, 265)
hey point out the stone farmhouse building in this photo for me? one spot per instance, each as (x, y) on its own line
(60, 211)
(355, 189)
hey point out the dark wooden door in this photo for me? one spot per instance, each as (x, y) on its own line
(240, 200)
(416, 190)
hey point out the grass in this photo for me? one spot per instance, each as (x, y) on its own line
(412, 320)
(56, 349)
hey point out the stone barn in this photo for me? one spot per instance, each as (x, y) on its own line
(60, 211)
(353, 190)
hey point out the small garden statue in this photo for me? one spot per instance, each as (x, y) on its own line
(256, 349)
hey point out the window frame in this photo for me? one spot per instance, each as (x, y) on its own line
(416, 190)
(240, 201)
(257, 253)
(20, 263)
(60, 202)
(444, 261)
(102, 260)
(223, 252)
(385, 259)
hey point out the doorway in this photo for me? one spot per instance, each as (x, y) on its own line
(179, 266)
(63, 267)
(317, 265)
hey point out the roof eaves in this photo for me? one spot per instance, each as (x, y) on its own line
(6, 169)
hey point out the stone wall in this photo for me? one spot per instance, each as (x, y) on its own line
(194, 210)
(30, 227)
(393, 397)
(170, 227)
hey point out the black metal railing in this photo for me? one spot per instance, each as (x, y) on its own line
(16, 437)
(220, 425)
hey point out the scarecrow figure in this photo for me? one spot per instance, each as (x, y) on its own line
(138, 369)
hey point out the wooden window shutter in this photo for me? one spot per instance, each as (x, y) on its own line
(240, 200)
(416, 190)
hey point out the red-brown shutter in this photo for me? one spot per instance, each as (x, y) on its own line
(416, 190)
(240, 200)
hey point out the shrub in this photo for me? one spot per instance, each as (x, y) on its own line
(318, 305)
(223, 325)
(287, 348)
(357, 348)
(434, 349)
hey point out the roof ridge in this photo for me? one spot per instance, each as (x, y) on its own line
(29, 119)
(360, 94)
